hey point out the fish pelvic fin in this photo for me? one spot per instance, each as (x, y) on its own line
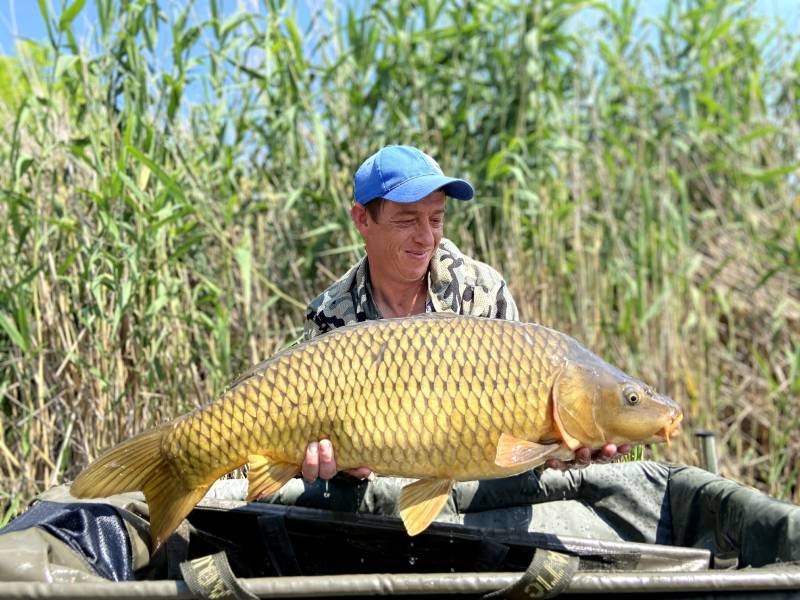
(140, 464)
(422, 501)
(514, 452)
(267, 476)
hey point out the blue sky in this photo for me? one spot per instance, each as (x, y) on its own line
(22, 18)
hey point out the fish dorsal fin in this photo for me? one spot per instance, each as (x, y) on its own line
(267, 476)
(515, 452)
(422, 501)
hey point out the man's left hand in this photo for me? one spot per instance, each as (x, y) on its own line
(320, 461)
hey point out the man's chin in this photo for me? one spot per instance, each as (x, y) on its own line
(414, 277)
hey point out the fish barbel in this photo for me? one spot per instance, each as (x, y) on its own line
(442, 398)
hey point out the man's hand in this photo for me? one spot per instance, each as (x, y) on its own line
(320, 462)
(584, 456)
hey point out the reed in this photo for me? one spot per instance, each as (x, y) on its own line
(175, 187)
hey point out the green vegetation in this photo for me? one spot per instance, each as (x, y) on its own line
(167, 213)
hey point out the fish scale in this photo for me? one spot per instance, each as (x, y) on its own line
(439, 397)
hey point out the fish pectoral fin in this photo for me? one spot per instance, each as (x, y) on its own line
(267, 476)
(422, 501)
(570, 441)
(515, 452)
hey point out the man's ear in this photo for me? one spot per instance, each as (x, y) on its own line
(360, 218)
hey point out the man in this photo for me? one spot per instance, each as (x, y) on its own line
(409, 268)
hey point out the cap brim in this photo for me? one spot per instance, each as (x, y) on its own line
(417, 188)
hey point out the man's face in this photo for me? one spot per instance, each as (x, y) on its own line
(401, 243)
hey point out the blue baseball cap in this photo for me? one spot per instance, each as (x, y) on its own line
(404, 174)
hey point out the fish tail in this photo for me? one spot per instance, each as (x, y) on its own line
(140, 464)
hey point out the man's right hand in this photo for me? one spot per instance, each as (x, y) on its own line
(321, 462)
(584, 456)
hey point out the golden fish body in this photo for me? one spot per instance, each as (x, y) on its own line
(438, 397)
(418, 398)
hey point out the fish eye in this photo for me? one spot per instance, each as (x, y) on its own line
(632, 397)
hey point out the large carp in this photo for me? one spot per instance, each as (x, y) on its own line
(437, 397)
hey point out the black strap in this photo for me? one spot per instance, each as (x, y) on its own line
(211, 578)
(547, 576)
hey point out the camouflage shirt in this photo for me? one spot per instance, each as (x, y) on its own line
(456, 284)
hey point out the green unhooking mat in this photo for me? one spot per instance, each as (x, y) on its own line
(620, 528)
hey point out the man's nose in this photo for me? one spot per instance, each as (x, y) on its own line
(423, 233)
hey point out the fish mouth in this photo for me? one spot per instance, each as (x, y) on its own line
(671, 429)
